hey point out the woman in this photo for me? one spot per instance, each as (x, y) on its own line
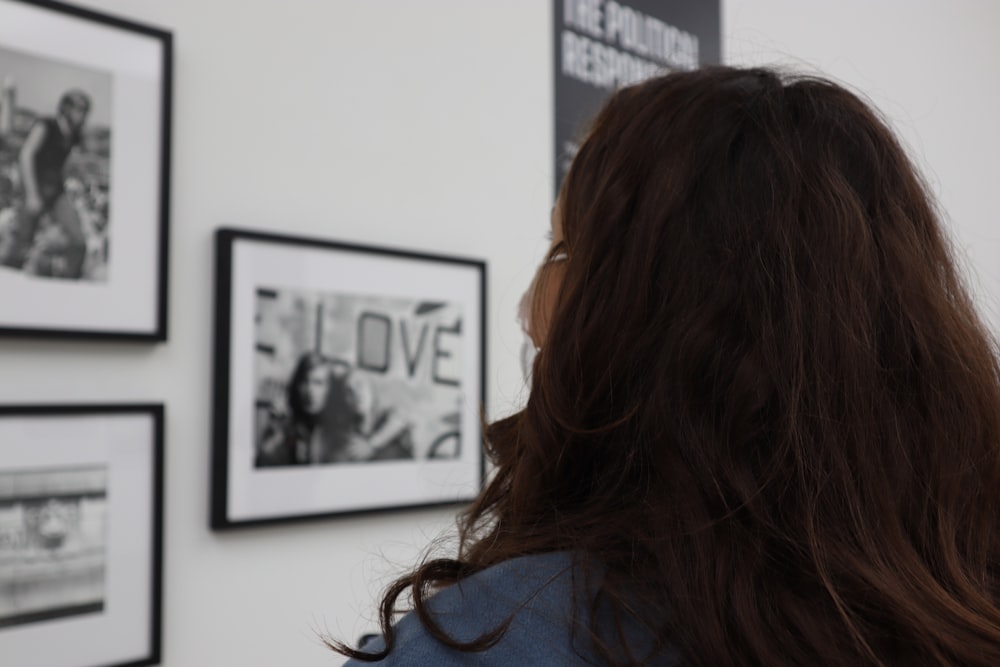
(320, 417)
(379, 433)
(764, 425)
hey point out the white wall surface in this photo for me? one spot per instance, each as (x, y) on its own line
(427, 125)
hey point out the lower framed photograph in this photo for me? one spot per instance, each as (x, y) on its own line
(81, 515)
(347, 379)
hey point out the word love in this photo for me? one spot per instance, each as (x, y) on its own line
(376, 345)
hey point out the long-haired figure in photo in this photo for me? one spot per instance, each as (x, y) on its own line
(319, 417)
(764, 420)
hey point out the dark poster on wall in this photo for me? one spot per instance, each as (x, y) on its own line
(601, 45)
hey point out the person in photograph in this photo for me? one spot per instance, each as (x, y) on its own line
(319, 421)
(61, 245)
(56, 517)
(380, 433)
(763, 425)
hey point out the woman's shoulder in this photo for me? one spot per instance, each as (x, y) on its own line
(534, 592)
(539, 594)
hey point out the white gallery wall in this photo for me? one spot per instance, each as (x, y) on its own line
(427, 125)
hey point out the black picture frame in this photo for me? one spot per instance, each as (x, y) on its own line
(400, 338)
(100, 273)
(83, 517)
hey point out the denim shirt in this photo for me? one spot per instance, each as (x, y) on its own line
(550, 622)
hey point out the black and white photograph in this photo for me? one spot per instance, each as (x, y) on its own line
(55, 153)
(597, 51)
(347, 378)
(53, 543)
(344, 378)
(81, 534)
(84, 173)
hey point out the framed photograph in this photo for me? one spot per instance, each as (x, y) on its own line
(84, 173)
(81, 513)
(347, 379)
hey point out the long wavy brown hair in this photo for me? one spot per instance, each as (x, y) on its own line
(765, 403)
